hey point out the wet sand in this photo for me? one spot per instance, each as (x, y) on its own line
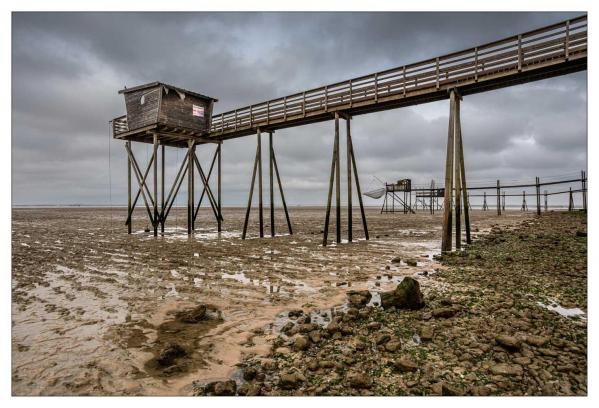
(92, 306)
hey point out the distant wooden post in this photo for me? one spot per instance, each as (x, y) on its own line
(447, 213)
(162, 220)
(584, 189)
(571, 201)
(524, 205)
(128, 147)
(538, 187)
(485, 206)
(498, 198)
(545, 200)
(503, 202)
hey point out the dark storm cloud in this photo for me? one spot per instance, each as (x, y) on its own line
(67, 68)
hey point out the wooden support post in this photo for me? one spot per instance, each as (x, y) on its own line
(498, 198)
(349, 189)
(162, 220)
(458, 201)
(485, 201)
(358, 189)
(274, 160)
(538, 186)
(193, 186)
(545, 200)
(337, 183)
(190, 144)
(503, 202)
(130, 216)
(220, 212)
(331, 180)
(155, 156)
(272, 198)
(260, 202)
(462, 168)
(447, 213)
(247, 212)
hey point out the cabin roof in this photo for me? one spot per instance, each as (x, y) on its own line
(156, 83)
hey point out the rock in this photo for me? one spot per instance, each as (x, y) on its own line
(359, 298)
(407, 295)
(445, 312)
(315, 336)
(397, 259)
(509, 343)
(301, 343)
(538, 341)
(287, 327)
(373, 326)
(307, 327)
(405, 365)
(313, 365)
(507, 369)
(581, 233)
(194, 315)
(359, 380)
(169, 354)
(225, 388)
(426, 333)
(249, 373)
(392, 346)
(290, 381)
(295, 313)
(448, 390)
(412, 262)
(548, 352)
(522, 360)
(326, 364)
(382, 338)
(333, 327)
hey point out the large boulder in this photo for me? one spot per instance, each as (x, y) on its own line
(407, 295)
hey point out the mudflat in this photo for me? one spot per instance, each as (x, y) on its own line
(96, 311)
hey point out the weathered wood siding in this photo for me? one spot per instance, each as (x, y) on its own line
(178, 112)
(138, 114)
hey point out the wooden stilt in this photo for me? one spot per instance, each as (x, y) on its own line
(358, 189)
(129, 217)
(571, 201)
(155, 156)
(162, 191)
(584, 189)
(260, 202)
(274, 161)
(331, 180)
(247, 212)
(458, 199)
(545, 200)
(349, 170)
(447, 213)
(337, 183)
(220, 211)
(190, 171)
(271, 186)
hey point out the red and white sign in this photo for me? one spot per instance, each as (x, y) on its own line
(198, 111)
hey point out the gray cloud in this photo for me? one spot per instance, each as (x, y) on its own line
(67, 68)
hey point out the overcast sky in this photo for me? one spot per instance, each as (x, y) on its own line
(68, 67)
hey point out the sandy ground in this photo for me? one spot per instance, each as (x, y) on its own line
(92, 306)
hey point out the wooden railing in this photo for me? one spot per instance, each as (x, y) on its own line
(519, 53)
(120, 125)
